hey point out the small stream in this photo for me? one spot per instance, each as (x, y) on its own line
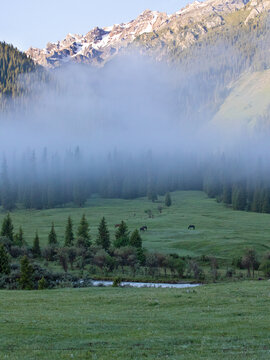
(143, 284)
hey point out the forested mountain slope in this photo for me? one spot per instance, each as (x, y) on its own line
(12, 64)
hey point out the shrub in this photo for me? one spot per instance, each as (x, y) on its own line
(42, 284)
(265, 267)
(237, 262)
(116, 282)
(230, 273)
(49, 253)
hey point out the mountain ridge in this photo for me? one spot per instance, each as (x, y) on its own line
(183, 28)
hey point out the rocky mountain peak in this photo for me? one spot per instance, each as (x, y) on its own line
(182, 29)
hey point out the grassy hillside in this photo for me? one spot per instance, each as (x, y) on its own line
(210, 322)
(220, 231)
(248, 102)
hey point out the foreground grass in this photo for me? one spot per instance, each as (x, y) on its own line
(220, 231)
(219, 321)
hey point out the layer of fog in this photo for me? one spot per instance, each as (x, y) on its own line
(132, 104)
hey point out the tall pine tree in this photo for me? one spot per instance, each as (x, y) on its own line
(52, 238)
(36, 248)
(83, 233)
(69, 236)
(7, 227)
(135, 239)
(168, 200)
(26, 277)
(4, 261)
(19, 238)
(121, 235)
(103, 238)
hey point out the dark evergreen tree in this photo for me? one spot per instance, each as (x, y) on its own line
(239, 197)
(69, 236)
(103, 238)
(141, 256)
(151, 193)
(26, 276)
(121, 235)
(168, 200)
(19, 238)
(7, 199)
(266, 202)
(135, 239)
(227, 194)
(256, 204)
(83, 232)
(52, 238)
(7, 227)
(4, 261)
(36, 248)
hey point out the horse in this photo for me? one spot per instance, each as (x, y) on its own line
(143, 228)
(191, 227)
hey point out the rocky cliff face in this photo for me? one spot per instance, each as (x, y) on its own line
(151, 29)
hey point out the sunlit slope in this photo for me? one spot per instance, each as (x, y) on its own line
(248, 103)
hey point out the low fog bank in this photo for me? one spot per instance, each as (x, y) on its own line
(133, 104)
(122, 131)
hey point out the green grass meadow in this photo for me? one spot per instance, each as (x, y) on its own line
(218, 321)
(215, 321)
(220, 231)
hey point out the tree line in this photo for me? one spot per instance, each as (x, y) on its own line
(41, 181)
(49, 181)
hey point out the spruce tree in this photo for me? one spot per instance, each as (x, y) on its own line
(69, 236)
(266, 202)
(7, 227)
(121, 235)
(19, 238)
(4, 261)
(256, 204)
(52, 238)
(227, 194)
(83, 232)
(26, 277)
(168, 200)
(135, 239)
(7, 199)
(36, 248)
(103, 238)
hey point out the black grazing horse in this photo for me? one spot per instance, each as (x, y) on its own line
(143, 228)
(191, 227)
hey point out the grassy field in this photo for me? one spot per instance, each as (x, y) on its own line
(220, 231)
(219, 321)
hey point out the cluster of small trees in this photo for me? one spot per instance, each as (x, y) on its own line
(122, 255)
(250, 262)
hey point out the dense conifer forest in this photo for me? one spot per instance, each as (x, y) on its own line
(12, 64)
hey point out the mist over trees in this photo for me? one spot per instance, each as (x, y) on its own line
(41, 180)
(142, 127)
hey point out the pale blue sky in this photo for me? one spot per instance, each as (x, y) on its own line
(26, 23)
